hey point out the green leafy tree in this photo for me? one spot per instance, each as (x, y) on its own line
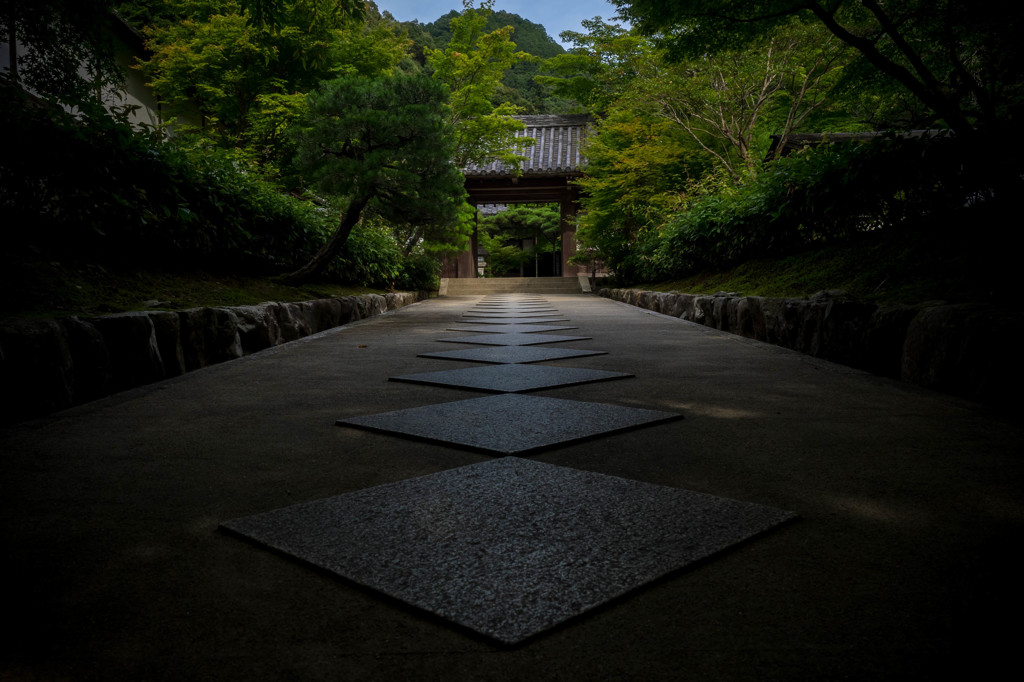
(961, 60)
(726, 100)
(472, 66)
(638, 168)
(503, 235)
(382, 143)
(230, 58)
(517, 85)
(598, 68)
(69, 54)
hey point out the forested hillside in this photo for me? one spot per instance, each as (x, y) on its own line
(520, 88)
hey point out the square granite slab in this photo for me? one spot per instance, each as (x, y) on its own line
(514, 339)
(549, 313)
(512, 320)
(511, 328)
(511, 354)
(509, 548)
(509, 424)
(509, 378)
(503, 307)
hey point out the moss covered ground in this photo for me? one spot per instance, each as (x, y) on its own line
(898, 267)
(54, 289)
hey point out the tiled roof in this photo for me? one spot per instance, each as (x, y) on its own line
(555, 152)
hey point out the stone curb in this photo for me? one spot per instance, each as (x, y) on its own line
(964, 349)
(48, 365)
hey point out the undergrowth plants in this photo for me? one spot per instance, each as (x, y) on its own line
(100, 192)
(817, 195)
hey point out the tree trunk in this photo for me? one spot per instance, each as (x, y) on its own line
(926, 87)
(12, 48)
(329, 251)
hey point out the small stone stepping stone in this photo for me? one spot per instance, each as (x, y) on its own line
(511, 547)
(511, 328)
(512, 297)
(509, 424)
(514, 339)
(509, 378)
(508, 312)
(513, 320)
(511, 315)
(511, 354)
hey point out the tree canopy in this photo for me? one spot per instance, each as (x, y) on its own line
(70, 54)
(959, 59)
(384, 141)
(472, 66)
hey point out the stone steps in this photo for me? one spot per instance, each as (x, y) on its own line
(484, 286)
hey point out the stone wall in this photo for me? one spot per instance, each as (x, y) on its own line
(47, 364)
(967, 349)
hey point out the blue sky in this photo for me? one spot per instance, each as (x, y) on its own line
(554, 15)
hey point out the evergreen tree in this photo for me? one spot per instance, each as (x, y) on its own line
(384, 141)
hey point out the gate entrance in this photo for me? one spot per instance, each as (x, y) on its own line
(552, 164)
(521, 240)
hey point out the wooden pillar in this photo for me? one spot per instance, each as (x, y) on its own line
(569, 203)
(474, 243)
(465, 265)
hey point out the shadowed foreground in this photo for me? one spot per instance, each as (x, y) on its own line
(902, 565)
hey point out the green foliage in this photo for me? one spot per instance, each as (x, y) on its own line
(385, 139)
(370, 257)
(961, 61)
(525, 221)
(503, 234)
(503, 258)
(384, 144)
(141, 13)
(637, 168)
(420, 272)
(517, 85)
(666, 128)
(225, 66)
(472, 66)
(598, 69)
(107, 194)
(818, 195)
(728, 102)
(70, 56)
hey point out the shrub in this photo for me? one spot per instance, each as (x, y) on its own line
(824, 193)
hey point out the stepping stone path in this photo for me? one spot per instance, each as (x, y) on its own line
(509, 547)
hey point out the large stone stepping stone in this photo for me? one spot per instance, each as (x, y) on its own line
(511, 547)
(509, 424)
(511, 378)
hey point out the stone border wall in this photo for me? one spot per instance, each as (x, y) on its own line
(969, 350)
(48, 364)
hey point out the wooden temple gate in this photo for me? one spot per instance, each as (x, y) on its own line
(548, 171)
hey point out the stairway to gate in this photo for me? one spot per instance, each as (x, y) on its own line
(483, 286)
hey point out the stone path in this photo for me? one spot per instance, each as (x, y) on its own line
(509, 548)
(903, 566)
